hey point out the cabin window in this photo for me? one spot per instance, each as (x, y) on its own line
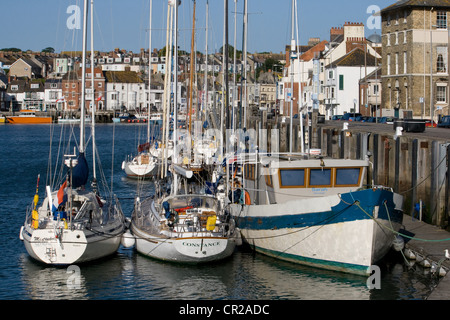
(292, 178)
(347, 176)
(320, 177)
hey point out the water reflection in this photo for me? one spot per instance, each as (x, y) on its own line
(245, 276)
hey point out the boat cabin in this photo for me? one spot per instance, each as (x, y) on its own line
(293, 178)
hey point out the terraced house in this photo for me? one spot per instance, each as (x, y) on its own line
(415, 74)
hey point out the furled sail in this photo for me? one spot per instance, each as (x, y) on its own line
(80, 173)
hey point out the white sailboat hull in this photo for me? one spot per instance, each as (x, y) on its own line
(183, 250)
(49, 246)
(133, 170)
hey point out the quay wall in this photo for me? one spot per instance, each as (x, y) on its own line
(413, 165)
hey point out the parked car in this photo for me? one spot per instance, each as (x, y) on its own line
(386, 120)
(320, 117)
(445, 122)
(430, 123)
(364, 118)
(351, 116)
(336, 117)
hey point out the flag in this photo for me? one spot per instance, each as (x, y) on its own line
(99, 98)
(61, 197)
(62, 99)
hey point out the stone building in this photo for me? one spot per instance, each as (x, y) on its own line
(415, 58)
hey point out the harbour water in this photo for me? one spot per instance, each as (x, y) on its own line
(130, 276)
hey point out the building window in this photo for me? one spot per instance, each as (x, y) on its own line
(404, 37)
(396, 38)
(441, 94)
(441, 19)
(396, 63)
(405, 62)
(388, 64)
(388, 39)
(441, 63)
(376, 90)
(388, 22)
(341, 82)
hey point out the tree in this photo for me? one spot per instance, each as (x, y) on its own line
(11, 49)
(269, 64)
(48, 49)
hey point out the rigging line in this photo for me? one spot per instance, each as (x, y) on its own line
(399, 233)
(321, 223)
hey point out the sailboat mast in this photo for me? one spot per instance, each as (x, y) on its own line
(293, 49)
(149, 71)
(83, 78)
(94, 172)
(205, 99)
(300, 94)
(226, 66)
(245, 28)
(191, 73)
(175, 98)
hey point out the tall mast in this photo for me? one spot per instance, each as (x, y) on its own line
(293, 50)
(226, 66)
(149, 71)
(205, 99)
(94, 172)
(175, 93)
(191, 73)
(234, 69)
(83, 78)
(244, 48)
(300, 90)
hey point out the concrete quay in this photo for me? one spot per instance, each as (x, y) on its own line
(429, 243)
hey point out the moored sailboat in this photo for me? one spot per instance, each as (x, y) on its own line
(74, 225)
(185, 221)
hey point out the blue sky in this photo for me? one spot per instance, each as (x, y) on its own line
(123, 24)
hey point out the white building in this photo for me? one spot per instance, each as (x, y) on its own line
(341, 87)
(126, 91)
(53, 94)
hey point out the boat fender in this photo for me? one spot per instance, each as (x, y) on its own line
(211, 223)
(35, 219)
(20, 234)
(246, 199)
(128, 240)
(398, 244)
